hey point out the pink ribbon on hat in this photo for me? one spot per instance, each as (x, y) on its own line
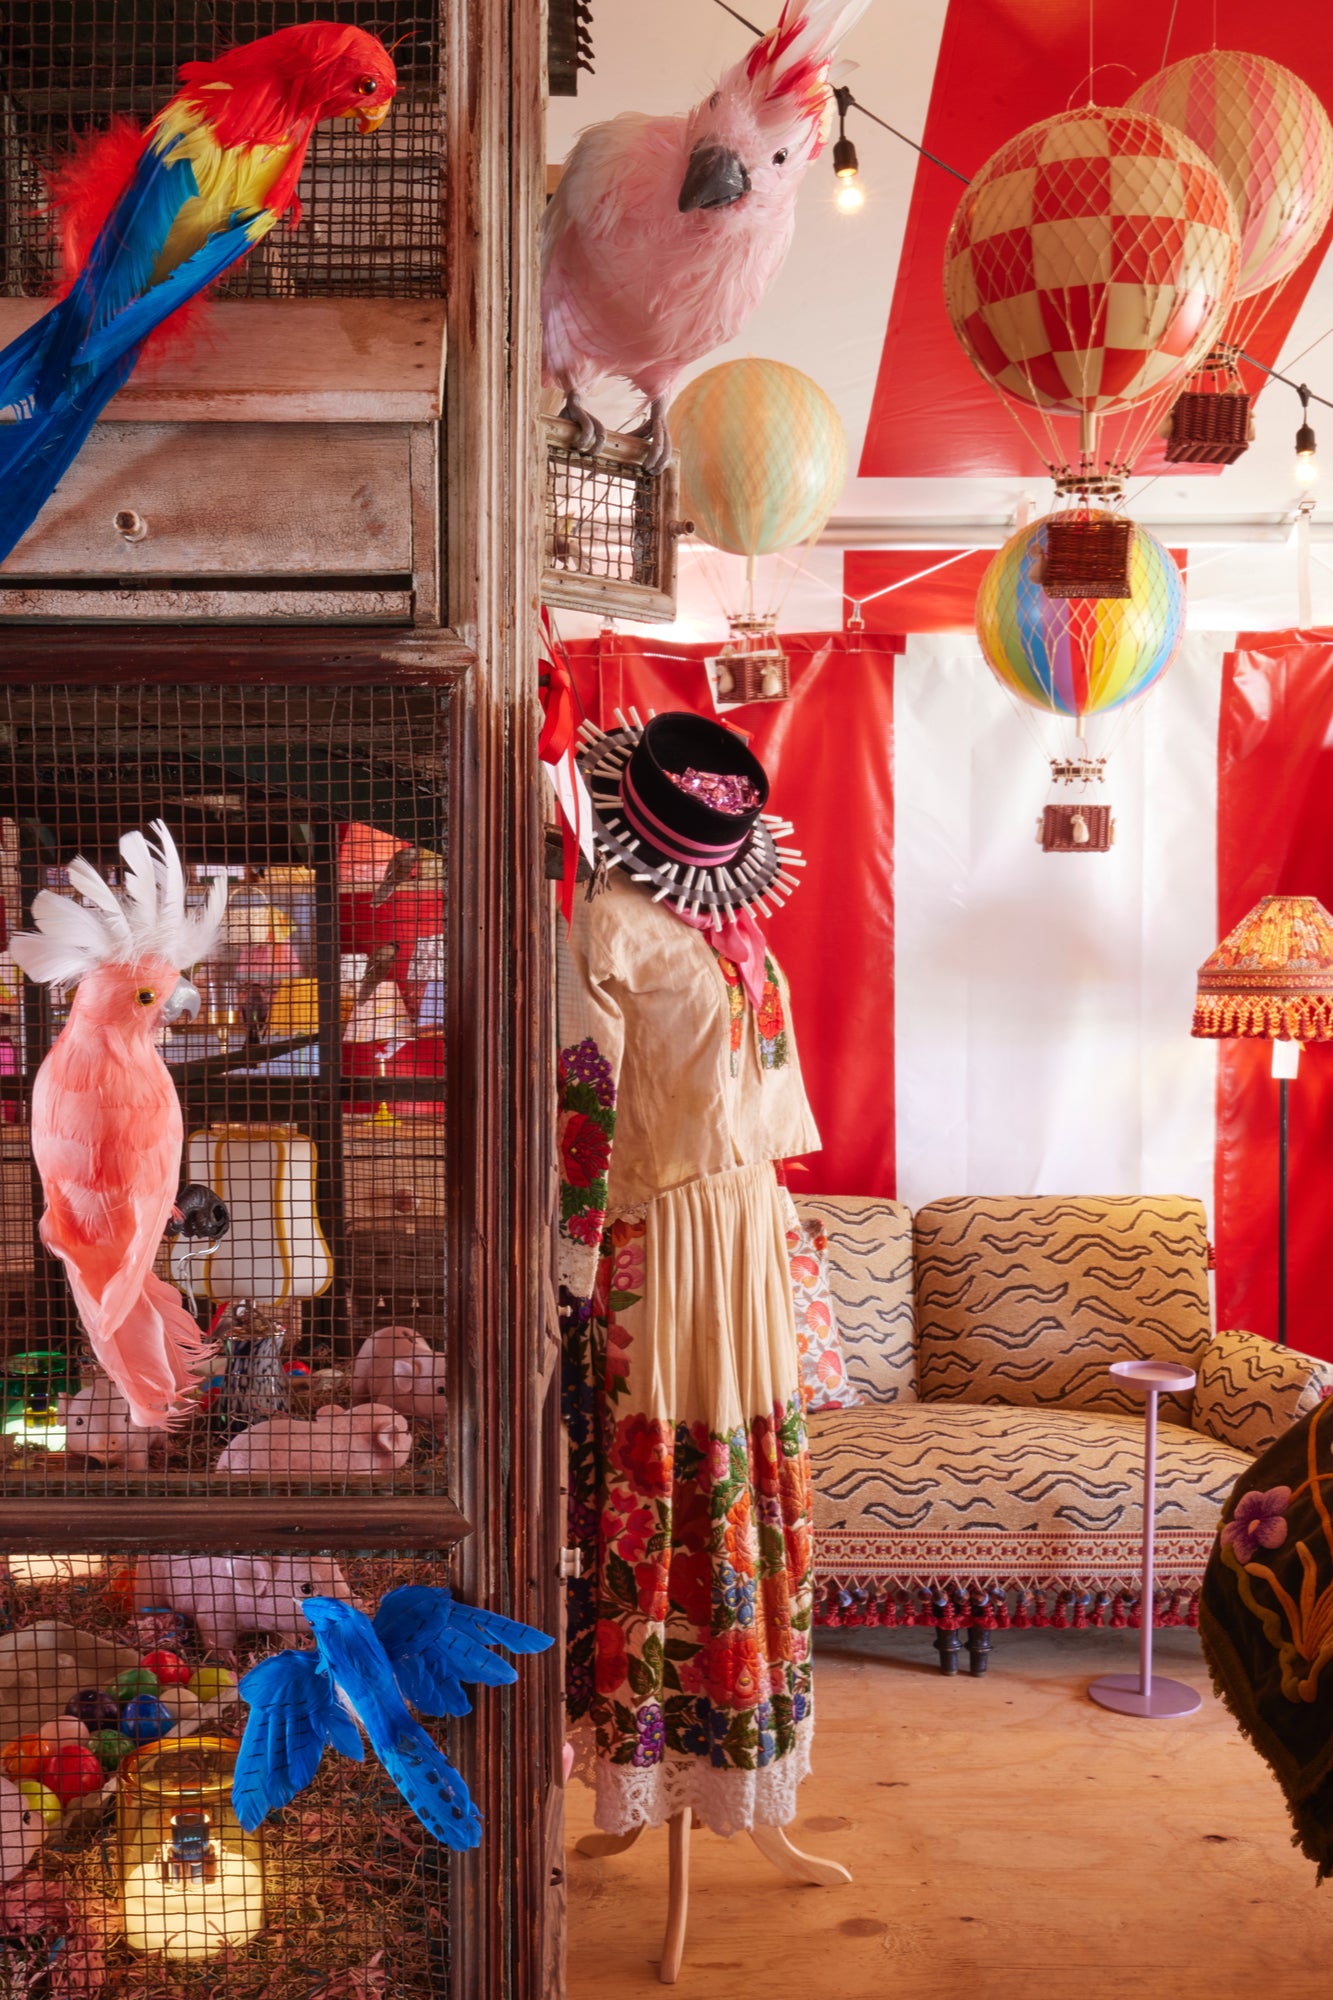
(739, 939)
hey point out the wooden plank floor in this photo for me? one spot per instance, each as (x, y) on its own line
(1009, 1840)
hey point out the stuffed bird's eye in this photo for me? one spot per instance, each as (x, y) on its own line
(307, 1590)
(145, 996)
(366, 86)
(778, 158)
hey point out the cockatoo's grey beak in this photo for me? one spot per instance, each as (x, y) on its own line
(714, 179)
(183, 999)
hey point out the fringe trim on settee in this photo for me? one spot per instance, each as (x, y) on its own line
(993, 1607)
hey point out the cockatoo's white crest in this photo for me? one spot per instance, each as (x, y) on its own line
(146, 918)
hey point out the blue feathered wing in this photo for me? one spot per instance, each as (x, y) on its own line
(434, 1644)
(61, 372)
(294, 1714)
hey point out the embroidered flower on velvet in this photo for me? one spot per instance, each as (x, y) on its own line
(651, 1582)
(691, 1588)
(584, 1063)
(585, 1149)
(652, 1735)
(618, 1338)
(628, 1269)
(630, 1524)
(733, 1597)
(1257, 1523)
(587, 1229)
(642, 1451)
(770, 1021)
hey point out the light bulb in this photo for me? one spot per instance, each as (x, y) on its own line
(1307, 465)
(851, 195)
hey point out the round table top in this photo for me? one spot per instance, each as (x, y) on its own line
(1154, 1377)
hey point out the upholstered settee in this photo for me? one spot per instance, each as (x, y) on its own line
(990, 1475)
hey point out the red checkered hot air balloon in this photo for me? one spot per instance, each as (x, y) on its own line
(1089, 267)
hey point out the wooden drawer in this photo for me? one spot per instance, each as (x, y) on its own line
(288, 468)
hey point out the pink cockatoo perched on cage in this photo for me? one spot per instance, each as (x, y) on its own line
(665, 233)
(106, 1120)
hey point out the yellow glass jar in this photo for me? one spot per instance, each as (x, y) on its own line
(191, 1878)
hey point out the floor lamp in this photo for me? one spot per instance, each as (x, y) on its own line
(1271, 979)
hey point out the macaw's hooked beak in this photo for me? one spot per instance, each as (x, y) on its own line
(183, 999)
(371, 120)
(714, 179)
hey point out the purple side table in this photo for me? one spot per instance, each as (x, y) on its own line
(1140, 1694)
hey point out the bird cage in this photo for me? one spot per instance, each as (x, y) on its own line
(371, 222)
(123, 1867)
(312, 1086)
(610, 530)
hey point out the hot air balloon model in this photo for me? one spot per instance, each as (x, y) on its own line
(1081, 661)
(763, 457)
(1088, 270)
(1270, 138)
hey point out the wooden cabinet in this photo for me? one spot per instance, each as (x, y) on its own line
(284, 463)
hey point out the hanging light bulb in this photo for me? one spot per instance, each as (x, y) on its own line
(846, 166)
(1307, 465)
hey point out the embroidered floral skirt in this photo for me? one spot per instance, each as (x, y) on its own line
(689, 1630)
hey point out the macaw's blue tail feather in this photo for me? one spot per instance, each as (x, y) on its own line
(37, 451)
(431, 1786)
(21, 363)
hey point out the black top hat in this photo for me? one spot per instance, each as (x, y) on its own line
(704, 861)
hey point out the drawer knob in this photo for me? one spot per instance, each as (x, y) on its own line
(131, 526)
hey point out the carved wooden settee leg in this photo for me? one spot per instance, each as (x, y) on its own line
(947, 1640)
(978, 1648)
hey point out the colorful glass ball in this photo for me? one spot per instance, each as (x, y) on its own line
(95, 1708)
(134, 1681)
(22, 1758)
(144, 1718)
(212, 1683)
(170, 1668)
(70, 1771)
(110, 1747)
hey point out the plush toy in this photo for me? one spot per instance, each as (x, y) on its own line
(98, 1424)
(421, 1646)
(369, 1438)
(23, 1828)
(106, 1120)
(396, 1366)
(228, 1595)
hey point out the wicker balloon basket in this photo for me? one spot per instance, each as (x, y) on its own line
(1087, 554)
(1211, 421)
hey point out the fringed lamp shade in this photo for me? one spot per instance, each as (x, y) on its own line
(1272, 977)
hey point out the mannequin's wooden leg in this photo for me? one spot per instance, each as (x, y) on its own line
(598, 1846)
(774, 1845)
(678, 1896)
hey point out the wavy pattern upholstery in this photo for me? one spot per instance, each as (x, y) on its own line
(870, 1275)
(1027, 1302)
(929, 1495)
(1249, 1392)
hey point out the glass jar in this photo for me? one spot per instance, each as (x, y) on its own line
(191, 1879)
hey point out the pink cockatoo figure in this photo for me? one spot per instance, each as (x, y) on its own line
(106, 1120)
(665, 233)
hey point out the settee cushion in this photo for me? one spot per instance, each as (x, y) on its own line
(927, 1494)
(1249, 1391)
(869, 1263)
(1028, 1302)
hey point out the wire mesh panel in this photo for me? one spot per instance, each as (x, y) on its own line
(124, 1870)
(372, 204)
(610, 530)
(307, 1244)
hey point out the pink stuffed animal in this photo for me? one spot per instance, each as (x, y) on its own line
(98, 1425)
(228, 1595)
(398, 1367)
(369, 1438)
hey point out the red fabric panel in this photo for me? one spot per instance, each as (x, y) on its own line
(1274, 836)
(1002, 65)
(828, 752)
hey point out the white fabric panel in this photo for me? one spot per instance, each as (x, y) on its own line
(1043, 1001)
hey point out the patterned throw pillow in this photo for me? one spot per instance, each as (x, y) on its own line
(1249, 1391)
(825, 1384)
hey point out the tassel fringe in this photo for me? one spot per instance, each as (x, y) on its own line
(998, 1609)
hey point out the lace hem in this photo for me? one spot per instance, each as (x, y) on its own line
(726, 1802)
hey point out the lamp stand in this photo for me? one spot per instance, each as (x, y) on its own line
(1286, 1057)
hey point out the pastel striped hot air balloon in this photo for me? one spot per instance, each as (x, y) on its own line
(1269, 137)
(1079, 656)
(763, 456)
